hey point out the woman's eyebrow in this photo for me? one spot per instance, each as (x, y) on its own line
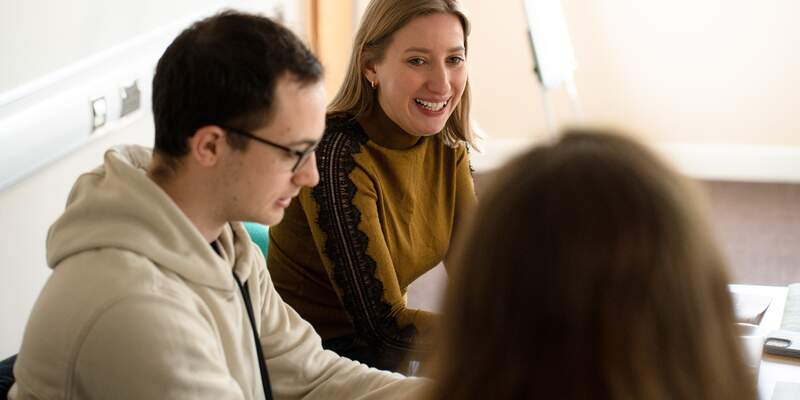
(427, 51)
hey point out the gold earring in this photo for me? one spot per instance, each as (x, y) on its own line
(373, 84)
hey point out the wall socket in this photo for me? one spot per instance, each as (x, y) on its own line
(99, 112)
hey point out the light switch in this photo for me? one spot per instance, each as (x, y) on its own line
(131, 98)
(99, 112)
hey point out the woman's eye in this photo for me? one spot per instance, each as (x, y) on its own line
(456, 60)
(416, 61)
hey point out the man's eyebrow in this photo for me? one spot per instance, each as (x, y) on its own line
(428, 51)
(307, 142)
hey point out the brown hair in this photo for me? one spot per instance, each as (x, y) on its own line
(589, 272)
(381, 20)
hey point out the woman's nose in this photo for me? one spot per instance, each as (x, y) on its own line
(439, 80)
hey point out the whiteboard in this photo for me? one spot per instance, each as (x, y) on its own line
(552, 49)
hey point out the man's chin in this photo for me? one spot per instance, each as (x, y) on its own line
(273, 217)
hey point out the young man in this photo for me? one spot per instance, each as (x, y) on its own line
(155, 292)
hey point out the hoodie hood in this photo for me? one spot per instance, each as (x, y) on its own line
(118, 206)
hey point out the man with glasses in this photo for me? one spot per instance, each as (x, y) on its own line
(300, 155)
(156, 291)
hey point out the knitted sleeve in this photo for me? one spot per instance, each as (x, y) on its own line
(348, 233)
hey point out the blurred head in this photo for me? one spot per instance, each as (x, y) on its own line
(414, 53)
(589, 272)
(225, 82)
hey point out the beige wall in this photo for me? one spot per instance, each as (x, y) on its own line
(335, 39)
(682, 71)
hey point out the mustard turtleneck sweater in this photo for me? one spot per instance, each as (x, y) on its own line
(383, 213)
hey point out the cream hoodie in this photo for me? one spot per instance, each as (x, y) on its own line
(139, 306)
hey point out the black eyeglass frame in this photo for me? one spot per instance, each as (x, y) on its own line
(302, 156)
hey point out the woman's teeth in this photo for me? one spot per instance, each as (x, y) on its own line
(431, 106)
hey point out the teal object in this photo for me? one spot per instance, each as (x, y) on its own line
(259, 234)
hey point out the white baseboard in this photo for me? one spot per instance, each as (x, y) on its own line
(494, 152)
(747, 163)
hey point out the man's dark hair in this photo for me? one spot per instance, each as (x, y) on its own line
(223, 70)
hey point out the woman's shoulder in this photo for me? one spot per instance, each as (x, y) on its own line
(455, 151)
(343, 138)
(344, 125)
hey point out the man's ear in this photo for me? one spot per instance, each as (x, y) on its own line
(207, 145)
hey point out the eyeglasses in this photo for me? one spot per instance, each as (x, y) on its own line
(302, 156)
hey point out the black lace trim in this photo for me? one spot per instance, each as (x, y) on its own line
(346, 245)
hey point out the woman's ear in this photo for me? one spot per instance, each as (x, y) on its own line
(370, 73)
(206, 145)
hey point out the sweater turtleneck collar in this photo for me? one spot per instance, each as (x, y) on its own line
(385, 132)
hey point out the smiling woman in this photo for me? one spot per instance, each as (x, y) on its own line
(422, 74)
(394, 183)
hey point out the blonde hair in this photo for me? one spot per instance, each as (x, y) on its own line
(381, 20)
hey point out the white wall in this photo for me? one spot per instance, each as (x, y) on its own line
(710, 82)
(28, 207)
(59, 41)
